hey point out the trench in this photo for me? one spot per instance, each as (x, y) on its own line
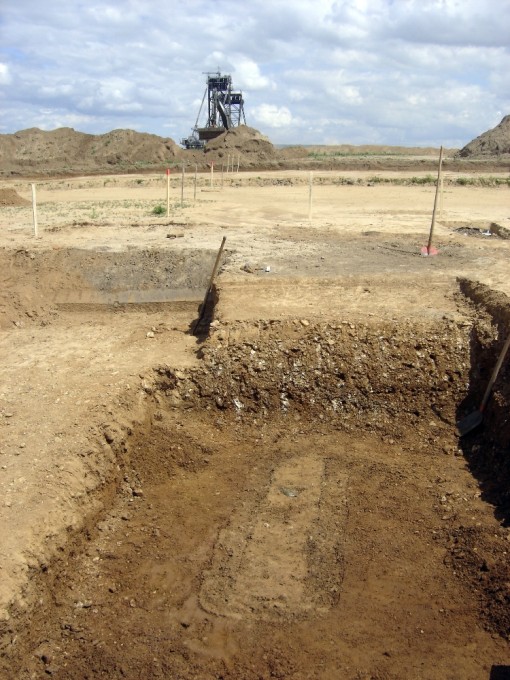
(298, 506)
(39, 284)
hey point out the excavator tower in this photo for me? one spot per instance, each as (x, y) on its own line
(225, 110)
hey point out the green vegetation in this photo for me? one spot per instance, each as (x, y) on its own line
(159, 210)
(489, 181)
(322, 155)
(428, 179)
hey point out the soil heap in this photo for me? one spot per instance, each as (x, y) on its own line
(66, 151)
(252, 146)
(11, 197)
(493, 143)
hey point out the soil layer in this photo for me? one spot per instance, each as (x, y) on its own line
(284, 494)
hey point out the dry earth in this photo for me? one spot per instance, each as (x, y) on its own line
(64, 152)
(493, 143)
(284, 495)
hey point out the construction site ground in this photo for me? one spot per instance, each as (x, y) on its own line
(168, 509)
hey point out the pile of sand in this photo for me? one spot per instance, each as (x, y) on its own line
(66, 151)
(493, 143)
(252, 146)
(11, 197)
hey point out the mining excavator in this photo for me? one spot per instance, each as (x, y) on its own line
(225, 110)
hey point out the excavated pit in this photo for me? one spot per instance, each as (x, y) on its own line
(39, 283)
(297, 506)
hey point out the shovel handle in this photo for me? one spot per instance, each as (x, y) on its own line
(495, 372)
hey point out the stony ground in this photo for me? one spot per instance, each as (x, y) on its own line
(286, 498)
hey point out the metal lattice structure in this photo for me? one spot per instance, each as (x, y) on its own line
(225, 110)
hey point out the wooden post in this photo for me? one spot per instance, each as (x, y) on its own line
(168, 192)
(228, 162)
(238, 161)
(209, 287)
(195, 185)
(431, 251)
(34, 212)
(310, 185)
(222, 174)
(182, 187)
(212, 174)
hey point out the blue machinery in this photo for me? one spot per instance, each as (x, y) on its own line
(225, 110)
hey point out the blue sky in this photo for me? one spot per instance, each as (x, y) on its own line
(409, 72)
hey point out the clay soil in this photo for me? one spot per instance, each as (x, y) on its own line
(283, 494)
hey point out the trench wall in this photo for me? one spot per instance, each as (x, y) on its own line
(385, 378)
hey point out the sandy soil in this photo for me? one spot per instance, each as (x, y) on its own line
(285, 498)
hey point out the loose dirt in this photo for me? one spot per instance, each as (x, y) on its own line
(11, 197)
(284, 495)
(66, 152)
(492, 143)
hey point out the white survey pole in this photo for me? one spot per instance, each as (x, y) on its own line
(168, 192)
(34, 211)
(310, 185)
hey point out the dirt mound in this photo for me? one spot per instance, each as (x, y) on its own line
(252, 146)
(67, 151)
(493, 143)
(11, 197)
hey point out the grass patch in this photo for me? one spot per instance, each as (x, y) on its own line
(321, 155)
(489, 181)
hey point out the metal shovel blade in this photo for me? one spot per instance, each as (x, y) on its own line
(469, 422)
(474, 419)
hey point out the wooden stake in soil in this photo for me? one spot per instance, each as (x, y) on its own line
(212, 174)
(310, 185)
(238, 161)
(34, 211)
(168, 192)
(429, 249)
(222, 174)
(209, 287)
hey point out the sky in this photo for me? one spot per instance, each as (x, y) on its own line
(399, 72)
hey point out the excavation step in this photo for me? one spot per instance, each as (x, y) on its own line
(71, 298)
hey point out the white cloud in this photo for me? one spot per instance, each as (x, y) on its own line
(393, 71)
(5, 76)
(272, 116)
(248, 76)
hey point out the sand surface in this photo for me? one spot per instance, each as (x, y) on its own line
(108, 291)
